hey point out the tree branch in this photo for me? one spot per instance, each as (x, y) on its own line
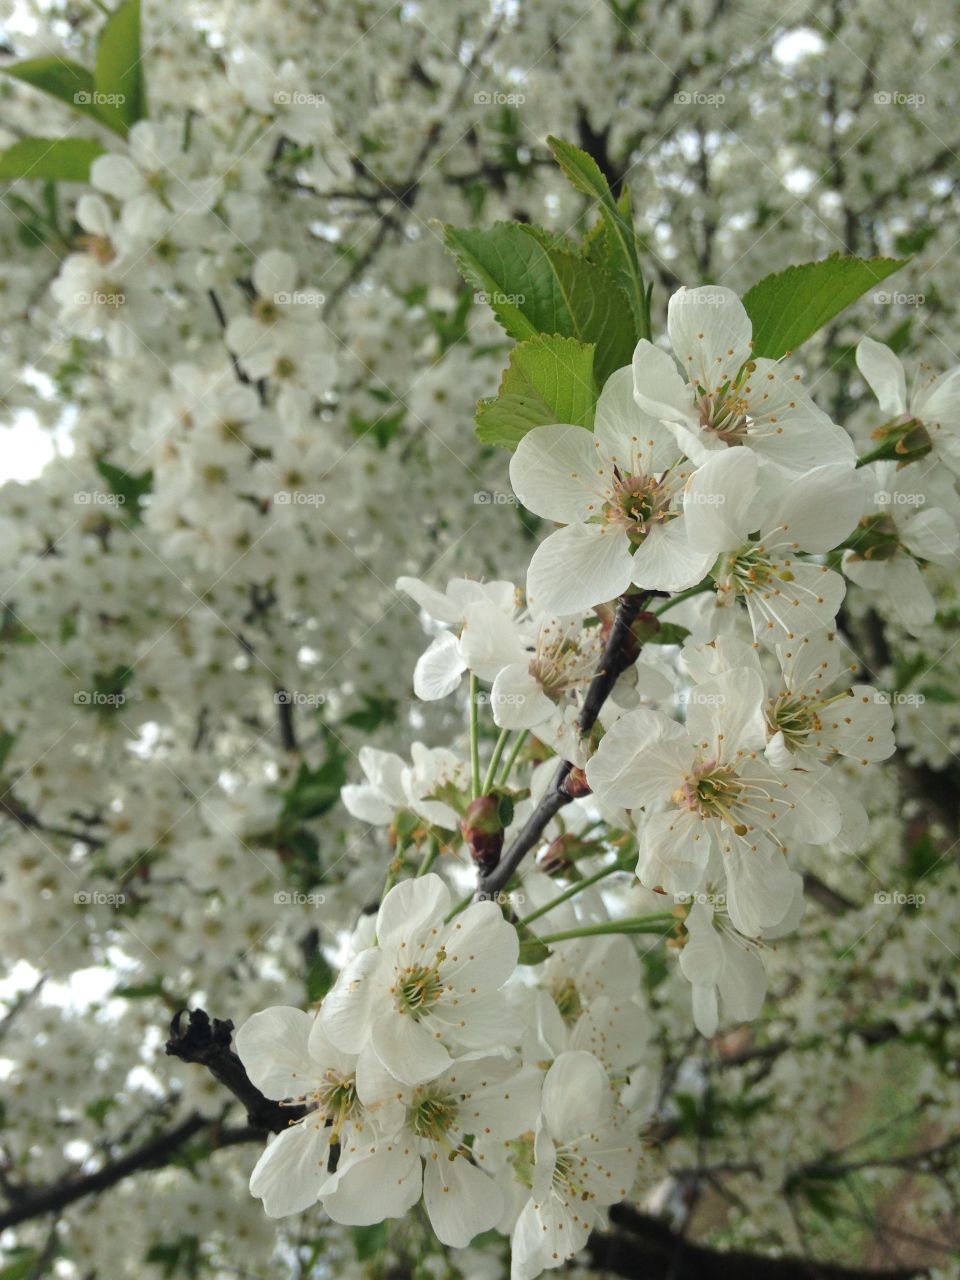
(207, 1042)
(645, 1246)
(619, 652)
(150, 1155)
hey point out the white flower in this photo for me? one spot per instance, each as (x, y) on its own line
(712, 805)
(725, 397)
(619, 493)
(427, 987)
(151, 181)
(433, 1145)
(933, 405)
(491, 605)
(785, 596)
(288, 1057)
(280, 337)
(433, 770)
(563, 660)
(392, 784)
(106, 296)
(378, 799)
(812, 721)
(912, 518)
(588, 987)
(722, 969)
(584, 1159)
(450, 606)
(537, 663)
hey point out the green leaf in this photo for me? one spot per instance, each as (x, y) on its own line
(548, 379)
(181, 1256)
(617, 249)
(127, 485)
(382, 428)
(60, 78)
(319, 977)
(789, 307)
(60, 159)
(99, 1109)
(23, 1268)
(369, 1241)
(374, 713)
(581, 170)
(118, 77)
(314, 791)
(142, 991)
(535, 288)
(109, 686)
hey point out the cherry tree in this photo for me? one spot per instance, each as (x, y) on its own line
(479, 656)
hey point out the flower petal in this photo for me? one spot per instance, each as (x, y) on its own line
(883, 373)
(290, 1173)
(658, 386)
(461, 1201)
(554, 473)
(272, 1046)
(710, 332)
(578, 567)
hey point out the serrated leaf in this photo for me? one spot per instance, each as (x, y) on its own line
(548, 380)
(580, 169)
(534, 288)
(790, 306)
(118, 76)
(511, 268)
(552, 239)
(618, 250)
(60, 78)
(59, 159)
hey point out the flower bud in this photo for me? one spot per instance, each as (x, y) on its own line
(575, 784)
(482, 829)
(902, 438)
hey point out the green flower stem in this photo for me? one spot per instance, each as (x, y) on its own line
(512, 757)
(474, 738)
(429, 858)
(461, 906)
(572, 892)
(494, 761)
(681, 596)
(632, 924)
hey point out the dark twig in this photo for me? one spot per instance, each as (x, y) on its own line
(619, 652)
(207, 1042)
(150, 1155)
(645, 1246)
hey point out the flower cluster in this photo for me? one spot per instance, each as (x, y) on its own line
(416, 1084)
(713, 764)
(239, 373)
